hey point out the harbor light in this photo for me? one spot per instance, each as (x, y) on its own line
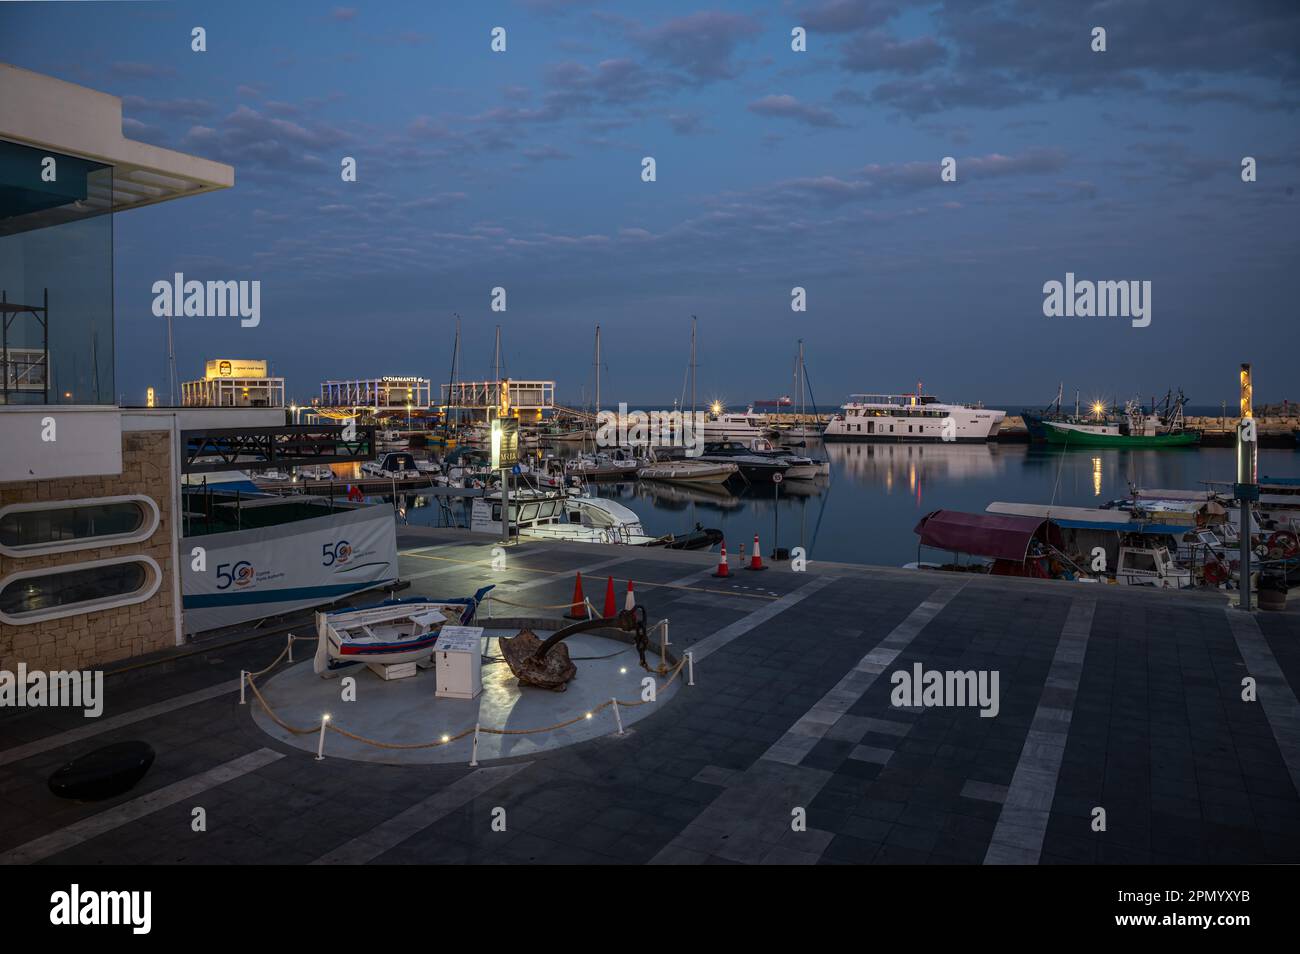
(715, 408)
(1097, 408)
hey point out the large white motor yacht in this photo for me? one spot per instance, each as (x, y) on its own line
(911, 417)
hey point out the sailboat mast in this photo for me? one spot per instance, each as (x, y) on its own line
(598, 369)
(693, 320)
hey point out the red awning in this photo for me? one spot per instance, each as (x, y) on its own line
(998, 536)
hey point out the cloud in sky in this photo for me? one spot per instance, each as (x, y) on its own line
(774, 169)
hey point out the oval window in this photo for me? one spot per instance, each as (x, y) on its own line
(27, 529)
(35, 595)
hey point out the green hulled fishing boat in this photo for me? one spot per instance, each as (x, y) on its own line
(1087, 435)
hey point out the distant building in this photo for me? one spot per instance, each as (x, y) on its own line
(230, 382)
(386, 395)
(473, 399)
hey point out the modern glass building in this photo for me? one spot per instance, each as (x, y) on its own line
(89, 493)
(56, 277)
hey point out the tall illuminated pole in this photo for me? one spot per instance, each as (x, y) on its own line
(1247, 488)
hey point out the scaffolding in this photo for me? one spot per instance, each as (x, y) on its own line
(24, 370)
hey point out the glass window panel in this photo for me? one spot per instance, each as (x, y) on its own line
(36, 594)
(26, 528)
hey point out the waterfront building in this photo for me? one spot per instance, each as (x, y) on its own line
(89, 491)
(391, 394)
(477, 401)
(230, 382)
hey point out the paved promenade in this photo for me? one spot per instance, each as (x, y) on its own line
(1121, 735)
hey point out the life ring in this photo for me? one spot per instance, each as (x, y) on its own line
(1286, 541)
(1216, 573)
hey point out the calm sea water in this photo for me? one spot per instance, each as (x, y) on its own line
(865, 510)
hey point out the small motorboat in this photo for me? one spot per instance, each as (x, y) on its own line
(389, 633)
(689, 471)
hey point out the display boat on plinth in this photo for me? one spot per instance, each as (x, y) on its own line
(389, 633)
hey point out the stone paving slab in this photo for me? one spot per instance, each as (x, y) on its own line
(1146, 722)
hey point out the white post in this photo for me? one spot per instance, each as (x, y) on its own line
(690, 668)
(663, 648)
(242, 674)
(320, 744)
(473, 756)
(617, 718)
(291, 647)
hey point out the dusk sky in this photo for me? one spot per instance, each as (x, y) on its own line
(775, 169)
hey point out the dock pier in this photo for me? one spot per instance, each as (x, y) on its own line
(1107, 697)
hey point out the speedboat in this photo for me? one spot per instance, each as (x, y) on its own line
(754, 467)
(601, 466)
(689, 471)
(389, 633)
(393, 466)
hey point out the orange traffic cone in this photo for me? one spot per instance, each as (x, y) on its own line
(629, 601)
(723, 568)
(579, 608)
(756, 561)
(611, 609)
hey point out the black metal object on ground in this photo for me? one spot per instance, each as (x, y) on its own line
(104, 772)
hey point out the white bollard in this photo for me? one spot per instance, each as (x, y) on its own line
(473, 755)
(291, 647)
(617, 718)
(320, 745)
(242, 674)
(690, 668)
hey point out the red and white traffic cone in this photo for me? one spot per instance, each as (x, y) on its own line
(723, 568)
(611, 609)
(629, 601)
(756, 561)
(579, 608)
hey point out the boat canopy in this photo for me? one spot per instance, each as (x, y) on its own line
(996, 536)
(1085, 518)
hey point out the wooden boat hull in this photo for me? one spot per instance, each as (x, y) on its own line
(1073, 438)
(335, 652)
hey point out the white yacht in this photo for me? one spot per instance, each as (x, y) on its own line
(558, 516)
(911, 417)
(723, 426)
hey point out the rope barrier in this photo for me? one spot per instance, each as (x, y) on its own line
(247, 678)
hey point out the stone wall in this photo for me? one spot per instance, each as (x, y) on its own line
(92, 639)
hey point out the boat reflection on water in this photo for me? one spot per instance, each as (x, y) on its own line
(886, 464)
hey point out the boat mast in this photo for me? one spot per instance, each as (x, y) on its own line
(451, 384)
(693, 320)
(598, 369)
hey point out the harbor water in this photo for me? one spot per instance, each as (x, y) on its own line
(864, 511)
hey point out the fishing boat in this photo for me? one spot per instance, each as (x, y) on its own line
(911, 418)
(1137, 428)
(389, 633)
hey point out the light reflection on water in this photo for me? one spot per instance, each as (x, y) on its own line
(865, 510)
